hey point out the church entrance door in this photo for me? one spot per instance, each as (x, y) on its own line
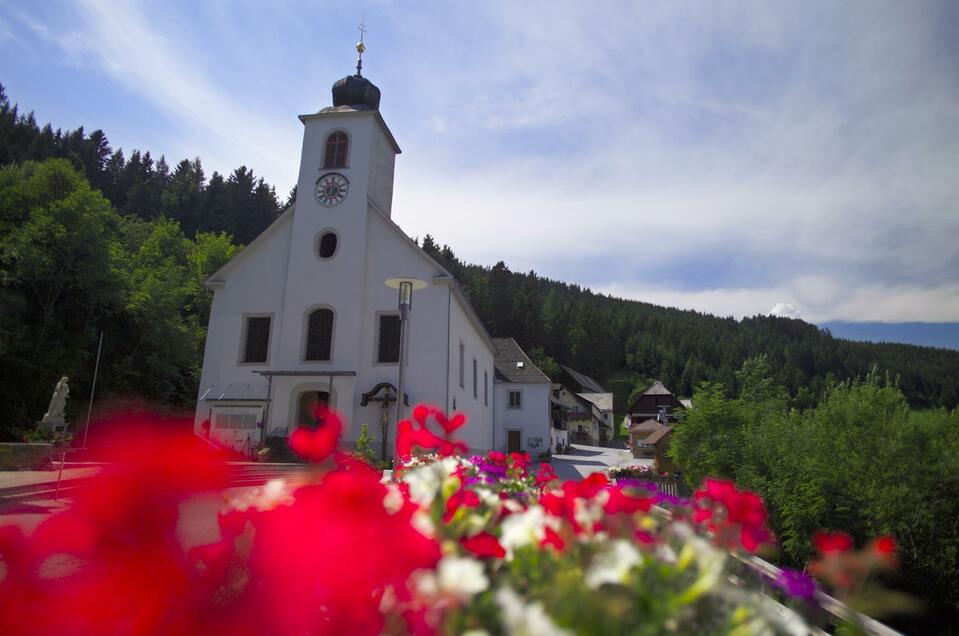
(309, 402)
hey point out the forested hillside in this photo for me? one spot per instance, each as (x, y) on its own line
(610, 337)
(92, 240)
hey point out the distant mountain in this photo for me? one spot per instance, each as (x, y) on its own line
(927, 334)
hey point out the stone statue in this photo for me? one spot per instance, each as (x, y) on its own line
(53, 418)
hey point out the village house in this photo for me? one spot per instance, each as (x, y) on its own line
(522, 411)
(657, 403)
(649, 424)
(584, 406)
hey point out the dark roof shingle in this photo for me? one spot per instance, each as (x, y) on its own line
(508, 354)
(586, 383)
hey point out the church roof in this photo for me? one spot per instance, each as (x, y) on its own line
(444, 278)
(217, 278)
(356, 90)
(513, 365)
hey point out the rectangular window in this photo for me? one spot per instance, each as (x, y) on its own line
(388, 346)
(516, 399)
(485, 388)
(475, 381)
(462, 366)
(257, 343)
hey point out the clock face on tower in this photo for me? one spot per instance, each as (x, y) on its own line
(331, 189)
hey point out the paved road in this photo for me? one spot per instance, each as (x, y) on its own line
(198, 521)
(586, 460)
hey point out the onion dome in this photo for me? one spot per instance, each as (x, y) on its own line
(356, 90)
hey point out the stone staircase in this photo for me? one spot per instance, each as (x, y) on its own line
(280, 452)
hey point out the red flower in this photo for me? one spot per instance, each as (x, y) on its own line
(461, 498)
(450, 425)
(483, 545)
(619, 502)
(884, 545)
(587, 488)
(410, 436)
(645, 538)
(551, 538)
(741, 518)
(318, 443)
(832, 542)
(545, 475)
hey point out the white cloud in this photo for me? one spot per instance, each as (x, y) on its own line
(872, 303)
(785, 310)
(815, 143)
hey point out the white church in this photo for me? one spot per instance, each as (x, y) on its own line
(304, 313)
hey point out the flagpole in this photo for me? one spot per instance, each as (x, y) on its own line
(96, 370)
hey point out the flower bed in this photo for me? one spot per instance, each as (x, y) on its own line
(480, 544)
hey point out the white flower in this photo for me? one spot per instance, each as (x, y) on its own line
(268, 496)
(488, 497)
(393, 500)
(461, 577)
(422, 522)
(457, 577)
(613, 565)
(522, 528)
(521, 619)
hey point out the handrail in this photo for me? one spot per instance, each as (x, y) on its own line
(208, 441)
(832, 605)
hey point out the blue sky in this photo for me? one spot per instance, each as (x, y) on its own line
(727, 157)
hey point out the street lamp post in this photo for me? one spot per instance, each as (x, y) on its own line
(405, 287)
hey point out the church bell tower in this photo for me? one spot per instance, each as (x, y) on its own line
(346, 175)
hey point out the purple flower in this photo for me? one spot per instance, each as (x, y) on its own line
(672, 500)
(796, 583)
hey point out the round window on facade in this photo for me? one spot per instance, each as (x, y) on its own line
(327, 245)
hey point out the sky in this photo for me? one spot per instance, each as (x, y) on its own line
(729, 157)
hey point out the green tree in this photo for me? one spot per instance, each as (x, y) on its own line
(59, 281)
(364, 446)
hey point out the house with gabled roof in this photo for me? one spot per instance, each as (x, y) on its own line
(522, 402)
(656, 402)
(584, 407)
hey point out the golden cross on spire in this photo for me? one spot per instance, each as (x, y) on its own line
(360, 47)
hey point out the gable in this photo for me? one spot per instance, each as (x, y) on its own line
(440, 275)
(218, 279)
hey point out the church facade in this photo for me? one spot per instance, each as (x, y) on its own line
(304, 315)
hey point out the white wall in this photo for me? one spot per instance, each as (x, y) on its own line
(478, 432)
(262, 268)
(532, 419)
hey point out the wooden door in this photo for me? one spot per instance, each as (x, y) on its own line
(513, 440)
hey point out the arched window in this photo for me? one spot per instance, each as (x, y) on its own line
(337, 149)
(319, 335)
(326, 245)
